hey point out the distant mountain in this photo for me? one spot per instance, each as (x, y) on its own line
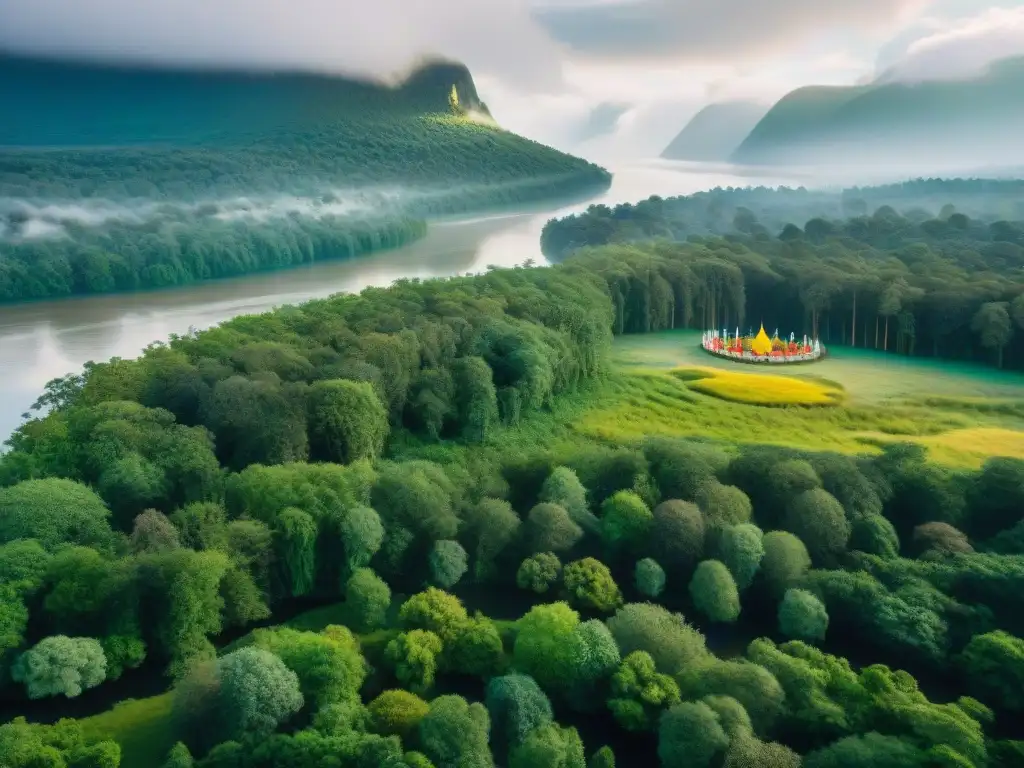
(121, 177)
(714, 133)
(601, 121)
(935, 124)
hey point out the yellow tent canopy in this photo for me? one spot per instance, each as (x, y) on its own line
(761, 345)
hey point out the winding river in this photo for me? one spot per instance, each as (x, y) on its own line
(42, 340)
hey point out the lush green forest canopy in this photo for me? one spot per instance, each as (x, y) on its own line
(119, 179)
(922, 268)
(493, 589)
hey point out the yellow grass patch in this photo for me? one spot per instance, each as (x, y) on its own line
(964, 447)
(759, 388)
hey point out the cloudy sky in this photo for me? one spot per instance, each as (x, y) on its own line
(544, 66)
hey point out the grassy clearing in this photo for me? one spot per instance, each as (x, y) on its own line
(756, 389)
(142, 727)
(967, 447)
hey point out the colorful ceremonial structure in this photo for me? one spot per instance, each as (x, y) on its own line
(761, 348)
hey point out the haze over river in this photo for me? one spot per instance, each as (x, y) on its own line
(43, 340)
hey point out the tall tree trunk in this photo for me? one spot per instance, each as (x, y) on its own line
(876, 331)
(853, 322)
(885, 338)
(999, 357)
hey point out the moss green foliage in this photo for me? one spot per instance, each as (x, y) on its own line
(548, 528)
(740, 548)
(714, 593)
(257, 692)
(649, 578)
(54, 512)
(61, 666)
(785, 560)
(690, 734)
(602, 758)
(397, 713)
(994, 665)
(733, 717)
(347, 421)
(639, 693)
(802, 616)
(549, 746)
(590, 585)
(26, 745)
(367, 599)
(747, 751)
(517, 706)
(488, 527)
(329, 664)
(563, 487)
(539, 572)
(672, 643)
(677, 535)
(414, 656)
(448, 562)
(453, 734)
(625, 522)
(435, 611)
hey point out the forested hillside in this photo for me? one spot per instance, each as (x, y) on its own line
(116, 179)
(486, 585)
(956, 124)
(925, 282)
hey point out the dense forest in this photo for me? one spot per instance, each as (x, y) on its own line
(499, 601)
(941, 283)
(186, 176)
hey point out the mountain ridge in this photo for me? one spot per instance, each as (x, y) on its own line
(966, 121)
(715, 132)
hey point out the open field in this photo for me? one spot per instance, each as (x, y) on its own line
(961, 412)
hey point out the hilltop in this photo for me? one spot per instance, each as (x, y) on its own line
(122, 177)
(963, 123)
(715, 132)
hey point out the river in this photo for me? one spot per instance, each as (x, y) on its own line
(43, 340)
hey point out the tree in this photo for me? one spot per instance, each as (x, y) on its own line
(994, 663)
(257, 692)
(179, 757)
(54, 512)
(714, 592)
(448, 563)
(367, 599)
(872, 750)
(475, 397)
(677, 535)
(603, 758)
(785, 561)
(938, 540)
(563, 487)
(747, 751)
(539, 572)
(731, 714)
(490, 526)
(640, 693)
(61, 665)
(672, 643)
(625, 522)
(517, 706)
(296, 547)
(453, 100)
(549, 746)
(477, 648)
(993, 326)
(362, 534)
(875, 535)
(434, 610)
(740, 547)
(414, 656)
(397, 713)
(690, 735)
(753, 686)
(549, 528)
(590, 585)
(153, 532)
(542, 648)
(347, 421)
(819, 521)
(723, 505)
(649, 578)
(593, 657)
(802, 616)
(995, 497)
(454, 734)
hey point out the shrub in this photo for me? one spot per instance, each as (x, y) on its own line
(802, 616)
(650, 578)
(590, 585)
(714, 592)
(397, 713)
(539, 572)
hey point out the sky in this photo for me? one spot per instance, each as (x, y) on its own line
(559, 71)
